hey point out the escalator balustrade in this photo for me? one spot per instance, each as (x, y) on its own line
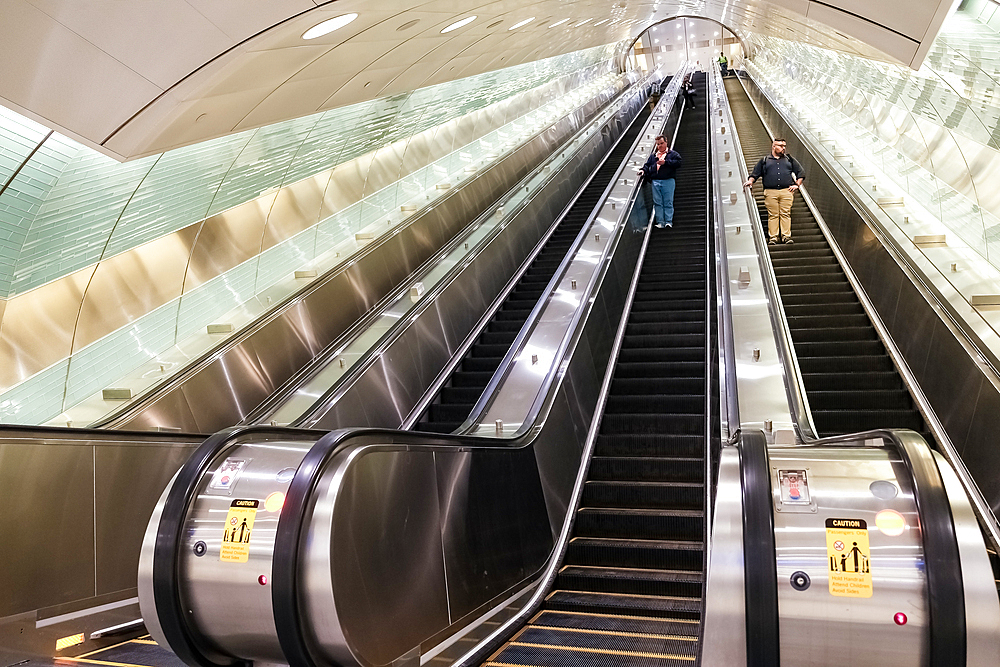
(850, 380)
(631, 584)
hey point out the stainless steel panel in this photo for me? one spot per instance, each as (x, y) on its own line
(229, 608)
(724, 634)
(982, 615)
(52, 309)
(128, 480)
(226, 240)
(296, 207)
(817, 627)
(47, 538)
(405, 367)
(126, 287)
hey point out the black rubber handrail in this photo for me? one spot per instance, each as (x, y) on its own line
(285, 602)
(760, 586)
(166, 589)
(169, 534)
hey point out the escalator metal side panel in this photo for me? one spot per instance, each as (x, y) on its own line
(441, 504)
(959, 395)
(74, 503)
(403, 371)
(255, 363)
(724, 638)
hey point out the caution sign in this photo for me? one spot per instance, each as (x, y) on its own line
(236, 535)
(848, 552)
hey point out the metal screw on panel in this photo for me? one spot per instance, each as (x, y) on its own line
(534, 359)
(756, 354)
(800, 580)
(572, 283)
(499, 426)
(954, 267)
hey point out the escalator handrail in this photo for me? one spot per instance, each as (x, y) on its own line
(478, 654)
(374, 354)
(170, 532)
(667, 101)
(155, 392)
(943, 567)
(726, 337)
(798, 402)
(984, 514)
(760, 583)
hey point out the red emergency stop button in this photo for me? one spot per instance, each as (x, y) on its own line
(900, 618)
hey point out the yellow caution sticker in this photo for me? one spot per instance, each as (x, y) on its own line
(236, 536)
(848, 552)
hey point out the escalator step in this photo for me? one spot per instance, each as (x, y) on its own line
(651, 444)
(647, 468)
(649, 524)
(612, 603)
(669, 495)
(551, 656)
(607, 641)
(635, 624)
(635, 581)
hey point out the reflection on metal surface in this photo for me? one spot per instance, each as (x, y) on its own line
(868, 258)
(255, 362)
(73, 546)
(133, 284)
(414, 559)
(817, 627)
(420, 342)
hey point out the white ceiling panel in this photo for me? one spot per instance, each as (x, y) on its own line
(127, 31)
(134, 78)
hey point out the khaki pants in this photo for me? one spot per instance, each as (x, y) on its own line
(779, 212)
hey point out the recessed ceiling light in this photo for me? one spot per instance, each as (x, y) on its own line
(582, 22)
(600, 22)
(558, 23)
(328, 26)
(521, 23)
(458, 24)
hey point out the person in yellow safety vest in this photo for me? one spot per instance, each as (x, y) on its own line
(723, 63)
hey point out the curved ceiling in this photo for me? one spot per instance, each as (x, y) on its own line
(140, 77)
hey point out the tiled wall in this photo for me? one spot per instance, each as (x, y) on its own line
(71, 207)
(152, 193)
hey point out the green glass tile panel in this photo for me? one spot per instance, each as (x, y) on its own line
(98, 365)
(18, 137)
(210, 300)
(37, 399)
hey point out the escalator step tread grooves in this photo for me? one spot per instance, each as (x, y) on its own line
(631, 583)
(449, 409)
(850, 380)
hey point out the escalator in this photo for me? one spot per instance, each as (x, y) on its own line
(457, 398)
(631, 582)
(850, 380)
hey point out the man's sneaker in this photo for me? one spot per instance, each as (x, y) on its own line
(787, 240)
(772, 241)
